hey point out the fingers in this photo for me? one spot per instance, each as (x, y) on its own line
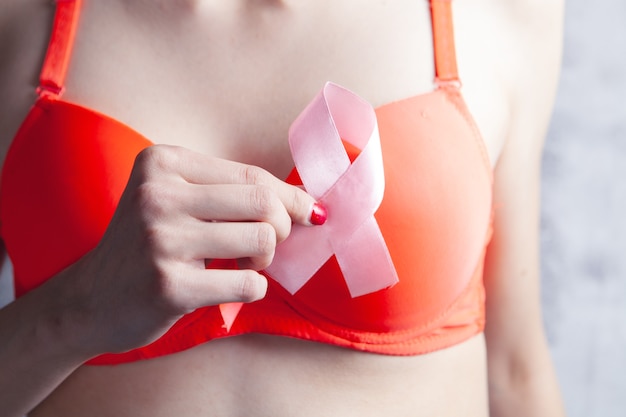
(296, 201)
(199, 288)
(200, 169)
(239, 203)
(252, 243)
(197, 207)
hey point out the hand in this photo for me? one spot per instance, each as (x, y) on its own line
(179, 209)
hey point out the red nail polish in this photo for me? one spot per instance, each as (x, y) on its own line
(318, 215)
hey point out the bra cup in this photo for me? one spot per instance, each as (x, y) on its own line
(434, 216)
(61, 183)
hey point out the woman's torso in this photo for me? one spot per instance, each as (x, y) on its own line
(177, 71)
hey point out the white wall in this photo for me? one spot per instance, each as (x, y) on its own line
(584, 212)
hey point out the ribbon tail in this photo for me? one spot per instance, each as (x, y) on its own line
(365, 260)
(299, 257)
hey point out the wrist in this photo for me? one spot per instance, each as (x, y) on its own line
(38, 349)
(54, 319)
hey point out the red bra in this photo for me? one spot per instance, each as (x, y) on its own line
(68, 165)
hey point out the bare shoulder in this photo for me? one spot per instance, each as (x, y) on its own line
(531, 68)
(509, 56)
(537, 27)
(24, 30)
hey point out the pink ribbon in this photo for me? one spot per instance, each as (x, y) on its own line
(351, 192)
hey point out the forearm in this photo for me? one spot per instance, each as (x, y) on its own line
(35, 352)
(522, 388)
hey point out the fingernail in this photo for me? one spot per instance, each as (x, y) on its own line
(318, 215)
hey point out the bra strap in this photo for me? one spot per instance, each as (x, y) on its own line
(443, 36)
(52, 77)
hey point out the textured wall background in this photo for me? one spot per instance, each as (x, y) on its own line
(584, 212)
(584, 209)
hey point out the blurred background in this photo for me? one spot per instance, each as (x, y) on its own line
(584, 212)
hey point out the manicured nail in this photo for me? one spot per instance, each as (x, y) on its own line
(318, 214)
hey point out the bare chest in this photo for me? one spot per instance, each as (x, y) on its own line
(228, 80)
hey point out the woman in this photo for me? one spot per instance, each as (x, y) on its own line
(223, 81)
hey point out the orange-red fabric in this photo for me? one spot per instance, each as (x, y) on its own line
(443, 38)
(58, 56)
(68, 166)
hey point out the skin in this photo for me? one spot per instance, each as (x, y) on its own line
(198, 62)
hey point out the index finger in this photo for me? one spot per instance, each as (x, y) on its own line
(197, 168)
